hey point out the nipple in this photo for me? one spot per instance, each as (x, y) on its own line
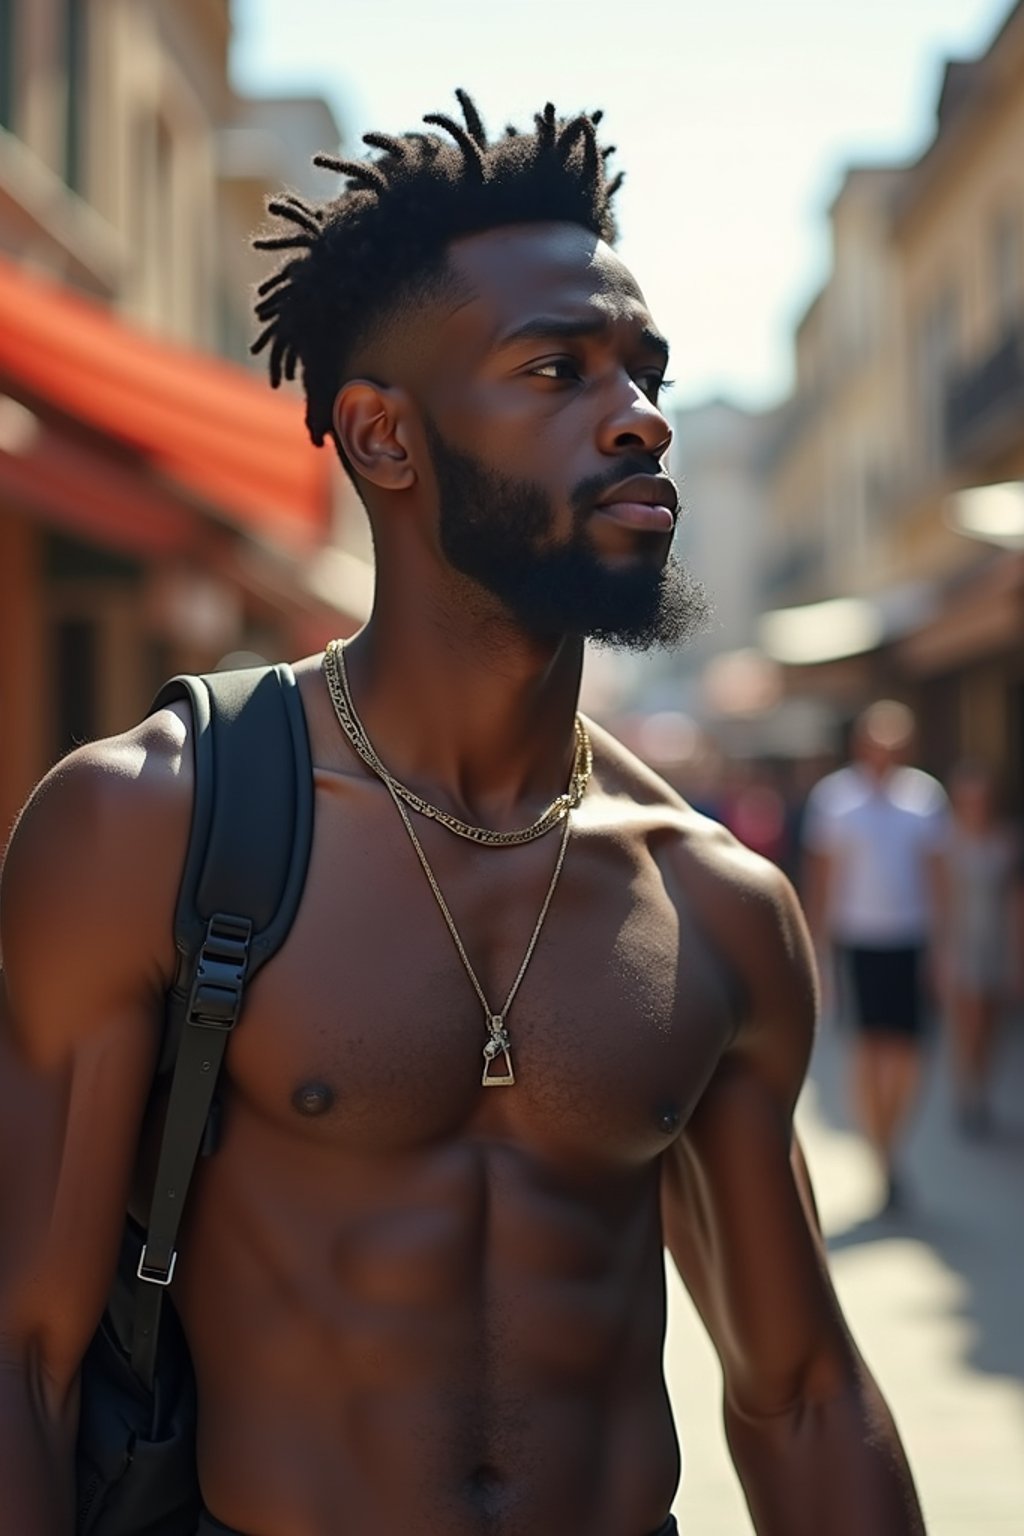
(312, 1098)
(668, 1119)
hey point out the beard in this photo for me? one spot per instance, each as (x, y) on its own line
(497, 531)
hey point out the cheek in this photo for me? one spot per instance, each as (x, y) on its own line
(503, 421)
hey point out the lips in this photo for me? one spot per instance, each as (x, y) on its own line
(647, 503)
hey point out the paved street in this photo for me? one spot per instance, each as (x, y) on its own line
(936, 1301)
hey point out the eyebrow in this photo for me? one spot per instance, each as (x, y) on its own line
(548, 327)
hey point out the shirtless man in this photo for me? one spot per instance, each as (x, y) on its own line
(415, 1303)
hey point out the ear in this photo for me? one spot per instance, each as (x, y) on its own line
(372, 425)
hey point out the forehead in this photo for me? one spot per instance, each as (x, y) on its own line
(509, 276)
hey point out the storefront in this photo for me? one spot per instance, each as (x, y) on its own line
(159, 510)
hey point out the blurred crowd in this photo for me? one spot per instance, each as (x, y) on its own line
(914, 894)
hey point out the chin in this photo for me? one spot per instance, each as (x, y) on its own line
(619, 548)
(645, 558)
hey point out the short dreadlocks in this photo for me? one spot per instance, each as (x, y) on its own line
(381, 243)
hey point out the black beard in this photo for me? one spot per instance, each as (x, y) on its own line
(493, 530)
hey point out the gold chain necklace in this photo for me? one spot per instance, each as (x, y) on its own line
(498, 1041)
(355, 732)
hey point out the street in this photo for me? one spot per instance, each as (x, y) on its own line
(935, 1300)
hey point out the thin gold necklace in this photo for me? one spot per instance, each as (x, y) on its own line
(495, 1074)
(355, 732)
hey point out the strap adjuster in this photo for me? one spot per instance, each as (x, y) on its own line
(152, 1275)
(215, 1001)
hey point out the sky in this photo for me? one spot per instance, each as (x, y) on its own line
(734, 120)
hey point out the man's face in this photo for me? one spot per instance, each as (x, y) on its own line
(498, 531)
(546, 441)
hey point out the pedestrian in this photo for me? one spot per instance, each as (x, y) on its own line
(986, 930)
(755, 811)
(874, 836)
(421, 1277)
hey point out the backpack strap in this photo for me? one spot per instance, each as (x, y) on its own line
(252, 826)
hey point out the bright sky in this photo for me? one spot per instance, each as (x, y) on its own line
(733, 118)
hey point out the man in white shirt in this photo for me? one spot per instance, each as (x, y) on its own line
(873, 836)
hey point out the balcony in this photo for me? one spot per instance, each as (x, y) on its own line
(984, 406)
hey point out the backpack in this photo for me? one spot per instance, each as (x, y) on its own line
(248, 851)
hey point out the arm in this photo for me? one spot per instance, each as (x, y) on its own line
(939, 877)
(86, 905)
(812, 1440)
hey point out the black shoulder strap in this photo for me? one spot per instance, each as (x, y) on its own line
(252, 826)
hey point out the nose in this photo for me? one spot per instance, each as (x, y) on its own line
(635, 424)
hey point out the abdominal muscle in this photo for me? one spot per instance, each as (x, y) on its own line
(455, 1341)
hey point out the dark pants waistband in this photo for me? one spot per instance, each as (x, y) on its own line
(208, 1526)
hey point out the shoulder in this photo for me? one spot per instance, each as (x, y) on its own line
(742, 900)
(90, 875)
(704, 857)
(749, 911)
(101, 795)
(748, 898)
(836, 793)
(738, 902)
(918, 792)
(621, 773)
(832, 809)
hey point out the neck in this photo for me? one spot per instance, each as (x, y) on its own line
(464, 708)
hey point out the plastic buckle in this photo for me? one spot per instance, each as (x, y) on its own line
(215, 1001)
(156, 1276)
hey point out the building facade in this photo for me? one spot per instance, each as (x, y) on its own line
(160, 508)
(910, 390)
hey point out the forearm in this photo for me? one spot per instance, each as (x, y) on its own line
(835, 1466)
(36, 1460)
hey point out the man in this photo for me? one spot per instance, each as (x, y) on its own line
(422, 1276)
(875, 834)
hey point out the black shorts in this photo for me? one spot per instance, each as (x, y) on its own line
(208, 1526)
(884, 988)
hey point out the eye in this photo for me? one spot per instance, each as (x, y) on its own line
(561, 369)
(653, 385)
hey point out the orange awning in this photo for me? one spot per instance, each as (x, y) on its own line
(220, 433)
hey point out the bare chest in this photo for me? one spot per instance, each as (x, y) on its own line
(366, 1032)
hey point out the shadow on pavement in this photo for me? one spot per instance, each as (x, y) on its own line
(964, 1198)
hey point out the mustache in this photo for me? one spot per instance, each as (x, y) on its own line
(584, 497)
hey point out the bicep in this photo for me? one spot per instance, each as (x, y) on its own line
(87, 941)
(68, 1133)
(741, 1229)
(738, 1208)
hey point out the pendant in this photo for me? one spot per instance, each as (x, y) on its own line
(499, 1044)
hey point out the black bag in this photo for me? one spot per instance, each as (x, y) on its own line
(252, 823)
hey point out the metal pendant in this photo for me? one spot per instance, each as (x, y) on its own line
(497, 1074)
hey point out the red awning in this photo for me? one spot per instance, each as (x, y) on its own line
(83, 492)
(216, 430)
